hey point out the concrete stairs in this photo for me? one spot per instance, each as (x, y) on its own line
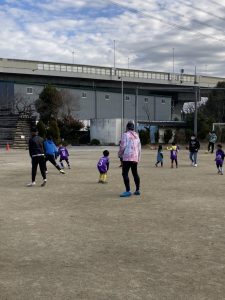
(22, 133)
(8, 123)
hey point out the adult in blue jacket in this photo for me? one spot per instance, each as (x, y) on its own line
(51, 151)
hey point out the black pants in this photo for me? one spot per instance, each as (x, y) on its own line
(211, 146)
(174, 160)
(51, 158)
(127, 165)
(66, 160)
(38, 160)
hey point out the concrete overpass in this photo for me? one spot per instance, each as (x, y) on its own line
(180, 87)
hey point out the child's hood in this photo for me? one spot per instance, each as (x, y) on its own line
(49, 141)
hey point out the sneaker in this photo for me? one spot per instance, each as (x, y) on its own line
(31, 184)
(44, 182)
(195, 165)
(125, 194)
(46, 172)
(100, 181)
(137, 193)
(62, 172)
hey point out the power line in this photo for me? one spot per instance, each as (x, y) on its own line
(194, 20)
(139, 12)
(221, 5)
(202, 10)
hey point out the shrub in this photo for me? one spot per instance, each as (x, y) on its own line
(53, 131)
(179, 136)
(95, 142)
(157, 136)
(144, 137)
(168, 134)
(69, 128)
(188, 133)
(84, 138)
(41, 129)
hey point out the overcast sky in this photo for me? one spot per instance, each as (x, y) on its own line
(147, 33)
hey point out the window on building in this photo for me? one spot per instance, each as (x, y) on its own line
(146, 100)
(84, 95)
(29, 90)
(106, 97)
(127, 98)
(163, 101)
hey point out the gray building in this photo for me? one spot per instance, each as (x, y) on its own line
(101, 92)
(89, 104)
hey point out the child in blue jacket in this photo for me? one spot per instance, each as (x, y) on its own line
(51, 151)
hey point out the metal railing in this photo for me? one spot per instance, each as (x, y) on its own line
(111, 73)
(129, 73)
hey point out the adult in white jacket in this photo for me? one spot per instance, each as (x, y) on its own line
(130, 151)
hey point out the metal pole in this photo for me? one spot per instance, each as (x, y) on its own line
(173, 63)
(122, 106)
(197, 94)
(73, 56)
(96, 104)
(114, 55)
(136, 109)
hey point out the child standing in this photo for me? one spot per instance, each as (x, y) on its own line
(103, 166)
(64, 155)
(173, 154)
(219, 159)
(159, 158)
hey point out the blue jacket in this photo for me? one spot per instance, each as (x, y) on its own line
(50, 148)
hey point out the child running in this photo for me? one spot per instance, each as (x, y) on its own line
(219, 159)
(51, 152)
(173, 154)
(159, 158)
(103, 167)
(63, 155)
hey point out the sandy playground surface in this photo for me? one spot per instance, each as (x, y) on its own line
(76, 239)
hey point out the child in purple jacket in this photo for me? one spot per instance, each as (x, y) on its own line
(219, 159)
(64, 155)
(174, 149)
(103, 167)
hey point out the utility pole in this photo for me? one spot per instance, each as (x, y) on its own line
(196, 112)
(173, 63)
(122, 104)
(73, 53)
(136, 109)
(197, 97)
(114, 56)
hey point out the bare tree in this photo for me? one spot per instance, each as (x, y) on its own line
(146, 109)
(23, 106)
(70, 103)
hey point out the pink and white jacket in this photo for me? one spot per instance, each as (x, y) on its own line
(130, 147)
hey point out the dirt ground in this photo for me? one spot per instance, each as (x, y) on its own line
(77, 239)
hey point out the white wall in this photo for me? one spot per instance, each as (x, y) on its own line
(107, 131)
